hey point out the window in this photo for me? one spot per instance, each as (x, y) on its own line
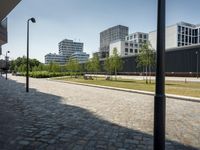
(190, 31)
(140, 40)
(134, 35)
(183, 30)
(140, 35)
(131, 37)
(126, 44)
(131, 50)
(179, 29)
(145, 36)
(186, 30)
(126, 50)
(136, 45)
(179, 37)
(186, 39)
(179, 44)
(131, 44)
(136, 50)
(127, 38)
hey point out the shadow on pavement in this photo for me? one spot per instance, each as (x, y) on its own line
(37, 120)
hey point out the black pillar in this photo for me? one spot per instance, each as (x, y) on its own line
(159, 101)
(27, 59)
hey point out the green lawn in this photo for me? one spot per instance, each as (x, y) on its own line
(172, 87)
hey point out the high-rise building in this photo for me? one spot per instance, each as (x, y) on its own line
(131, 45)
(55, 58)
(81, 57)
(68, 47)
(107, 36)
(6, 7)
(178, 35)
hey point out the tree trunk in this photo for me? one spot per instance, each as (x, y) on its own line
(146, 76)
(150, 74)
(115, 74)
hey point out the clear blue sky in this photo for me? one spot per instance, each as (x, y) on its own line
(84, 20)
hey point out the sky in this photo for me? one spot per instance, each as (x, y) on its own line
(83, 20)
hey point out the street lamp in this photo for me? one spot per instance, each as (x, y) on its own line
(7, 64)
(159, 100)
(27, 61)
(197, 64)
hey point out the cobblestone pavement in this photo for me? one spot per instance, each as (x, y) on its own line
(56, 115)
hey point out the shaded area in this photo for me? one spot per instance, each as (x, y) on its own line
(44, 121)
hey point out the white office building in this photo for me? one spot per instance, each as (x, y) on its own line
(178, 35)
(81, 57)
(131, 45)
(55, 58)
(68, 47)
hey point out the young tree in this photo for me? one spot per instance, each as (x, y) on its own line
(107, 65)
(115, 62)
(72, 66)
(95, 65)
(146, 58)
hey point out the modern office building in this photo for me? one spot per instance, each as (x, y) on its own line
(131, 45)
(55, 58)
(6, 7)
(107, 36)
(68, 47)
(81, 57)
(179, 35)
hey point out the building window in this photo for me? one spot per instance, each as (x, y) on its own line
(140, 40)
(179, 44)
(136, 45)
(136, 50)
(186, 30)
(127, 38)
(140, 35)
(179, 37)
(145, 36)
(126, 44)
(183, 30)
(126, 50)
(134, 35)
(179, 29)
(131, 37)
(131, 50)
(131, 44)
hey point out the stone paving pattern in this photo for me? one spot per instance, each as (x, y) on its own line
(63, 116)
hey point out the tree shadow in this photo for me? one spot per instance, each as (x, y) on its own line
(37, 120)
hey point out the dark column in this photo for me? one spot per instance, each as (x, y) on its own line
(159, 103)
(27, 59)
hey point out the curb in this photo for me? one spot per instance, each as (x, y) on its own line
(178, 97)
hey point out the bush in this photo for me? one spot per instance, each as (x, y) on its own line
(44, 74)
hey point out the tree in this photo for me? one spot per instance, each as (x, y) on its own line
(107, 65)
(72, 66)
(94, 64)
(115, 62)
(146, 59)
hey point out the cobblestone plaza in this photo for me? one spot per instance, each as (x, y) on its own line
(56, 115)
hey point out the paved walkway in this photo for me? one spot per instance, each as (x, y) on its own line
(56, 115)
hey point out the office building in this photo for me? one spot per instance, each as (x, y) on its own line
(81, 57)
(6, 7)
(107, 36)
(55, 58)
(131, 45)
(68, 47)
(179, 35)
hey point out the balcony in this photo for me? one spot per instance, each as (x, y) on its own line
(3, 32)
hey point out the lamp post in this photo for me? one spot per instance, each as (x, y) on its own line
(159, 100)
(27, 61)
(197, 64)
(7, 64)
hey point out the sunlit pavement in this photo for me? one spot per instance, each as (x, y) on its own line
(56, 115)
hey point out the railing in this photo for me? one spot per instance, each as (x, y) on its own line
(3, 31)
